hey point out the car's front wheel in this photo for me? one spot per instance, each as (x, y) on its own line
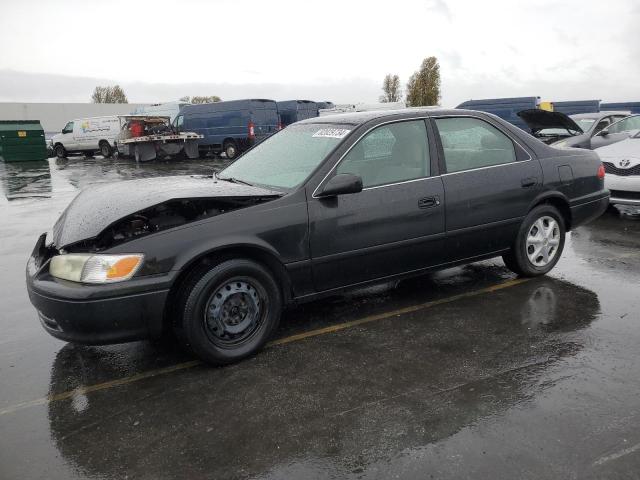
(227, 312)
(60, 151)
(539, 243)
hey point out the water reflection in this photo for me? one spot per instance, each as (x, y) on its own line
(25, 179)
(55, 176)
(335, 405)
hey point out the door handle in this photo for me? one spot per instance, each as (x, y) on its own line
(429, 202)
(529, 182)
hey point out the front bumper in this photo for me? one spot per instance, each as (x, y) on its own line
(96, 314)
(624, 190)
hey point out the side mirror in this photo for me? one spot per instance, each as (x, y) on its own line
(342, 184)
(604, 132)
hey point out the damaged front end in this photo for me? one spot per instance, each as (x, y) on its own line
(171, 214)
(103, 216)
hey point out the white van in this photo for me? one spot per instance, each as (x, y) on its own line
(86, 136)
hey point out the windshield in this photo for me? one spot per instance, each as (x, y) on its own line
(286, 159)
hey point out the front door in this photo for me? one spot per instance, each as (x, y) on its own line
(490, 183)
(395, 225)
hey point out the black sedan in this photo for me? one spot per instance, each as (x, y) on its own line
(326, 204)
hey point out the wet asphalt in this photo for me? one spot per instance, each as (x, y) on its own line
(467, 373)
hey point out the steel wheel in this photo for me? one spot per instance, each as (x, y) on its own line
(542, 241)
(234, 312)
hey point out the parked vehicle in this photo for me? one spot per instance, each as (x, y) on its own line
(324, 105)
(560, 130)
(147, 137)
(632, 107)
(575, 107)
(230, 127)
(622, 166)
(86, 136)
(292, 111)
(616, 132)
(169, 109)
(324, 205)
(505, 108)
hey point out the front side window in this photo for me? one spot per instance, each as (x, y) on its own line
(626, 125)
(470, 143)
(389, 154)
(179, 122)
(286, 159)
(68, 128)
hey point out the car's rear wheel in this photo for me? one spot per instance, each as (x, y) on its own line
(227, 312)
(60, 151)
(539, 243)
(105, 149)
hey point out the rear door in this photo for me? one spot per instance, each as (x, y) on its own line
(395, 225)
(489, 184)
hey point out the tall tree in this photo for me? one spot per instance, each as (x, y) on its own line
(391, 89)
(211, 99)
(423, 87)
(113, 94)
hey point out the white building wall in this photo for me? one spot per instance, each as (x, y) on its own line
(54, 116)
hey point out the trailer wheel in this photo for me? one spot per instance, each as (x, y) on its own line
(230, 149)
(105, 149)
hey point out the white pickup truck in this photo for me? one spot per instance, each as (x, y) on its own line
(146, 137)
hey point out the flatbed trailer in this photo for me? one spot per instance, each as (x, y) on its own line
(151, 146)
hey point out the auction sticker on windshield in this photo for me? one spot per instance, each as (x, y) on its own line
(331, 133)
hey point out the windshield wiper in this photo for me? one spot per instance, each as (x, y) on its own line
(234, 180)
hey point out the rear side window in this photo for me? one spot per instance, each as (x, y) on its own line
(470, 143)
(389, 154)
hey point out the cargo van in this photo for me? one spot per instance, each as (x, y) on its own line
(230, 127)
(86, 136)
(291, 111)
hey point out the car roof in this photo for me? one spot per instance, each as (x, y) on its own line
(579, 116)
(358, 118)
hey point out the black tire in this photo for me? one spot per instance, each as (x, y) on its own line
(60, 151)
(246, 298)
(519, 259)
(105, 149)
(230, 149)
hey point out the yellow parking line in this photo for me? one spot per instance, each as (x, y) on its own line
(281, 341)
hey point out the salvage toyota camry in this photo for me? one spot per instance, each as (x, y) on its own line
(326, 204)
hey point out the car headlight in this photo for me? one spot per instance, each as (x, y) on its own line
(88, 268)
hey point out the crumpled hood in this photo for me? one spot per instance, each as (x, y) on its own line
(98, 206)
(537, 120)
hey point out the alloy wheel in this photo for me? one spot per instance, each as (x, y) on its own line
(543, 240)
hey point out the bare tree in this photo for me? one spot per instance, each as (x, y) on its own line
(211, 99)
(423, 87)
(391, 89)
(113, 94)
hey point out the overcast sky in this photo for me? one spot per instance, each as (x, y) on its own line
(324, 50)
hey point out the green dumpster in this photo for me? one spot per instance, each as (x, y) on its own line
(22, 140)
